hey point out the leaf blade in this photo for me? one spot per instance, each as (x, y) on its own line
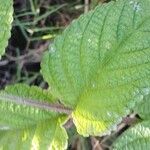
(26, 127)
(100, 62)
(45, 135)
(6, 15)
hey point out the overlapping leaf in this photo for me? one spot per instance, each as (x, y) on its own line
(100, 63)
(29, 127)
(48, 135)
(138, 137)
(6, 12)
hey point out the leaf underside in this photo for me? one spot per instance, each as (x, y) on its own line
(25, 127)
(6, 17)
(100, 65)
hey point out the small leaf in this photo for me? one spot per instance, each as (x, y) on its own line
(6, 17)
(100, 62)
(137, 137)
(48, 135)
(51, 135)
(27, 127)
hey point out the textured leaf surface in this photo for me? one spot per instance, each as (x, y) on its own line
(138, 137)
(48, 135)
(142, 107)
(6, 12)
(101, 62)
(26, 127)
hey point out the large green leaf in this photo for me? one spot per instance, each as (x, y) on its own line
(100, 62)
(6, 12)
(24, 126)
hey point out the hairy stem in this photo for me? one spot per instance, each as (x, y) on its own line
(34, 103)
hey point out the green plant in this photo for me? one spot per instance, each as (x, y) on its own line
(5, 23)
(98, 72)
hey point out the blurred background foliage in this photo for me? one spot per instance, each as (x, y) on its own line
(36, 24)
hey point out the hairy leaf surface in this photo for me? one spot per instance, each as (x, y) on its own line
(138, 137)
(29, 127)
(47, 135)
(100, 62)
(6, 14)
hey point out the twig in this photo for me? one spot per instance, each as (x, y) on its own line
(35, 55)
(4, 62)
(34, 103)
(95, 144)
(69, 124)
(86, 6)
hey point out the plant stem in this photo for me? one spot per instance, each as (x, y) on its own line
(86, 7)
(35, 103)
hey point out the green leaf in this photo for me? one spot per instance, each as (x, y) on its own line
(6, 17)
(100, 62)
(15, 115)
(43, 136)
(25, 125)
(137, 137)
(142, 107)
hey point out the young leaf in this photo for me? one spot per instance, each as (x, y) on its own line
(25, 120)
(6, 12)
(99, 63)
